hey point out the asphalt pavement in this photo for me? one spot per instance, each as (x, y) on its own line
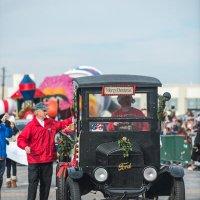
(192, 186)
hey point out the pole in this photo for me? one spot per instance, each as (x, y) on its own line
(3, 82)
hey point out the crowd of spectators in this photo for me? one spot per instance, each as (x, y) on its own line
(187, 126)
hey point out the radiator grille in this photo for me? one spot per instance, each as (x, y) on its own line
(136, 160)
(132, 178)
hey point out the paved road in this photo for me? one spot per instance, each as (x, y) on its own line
(192, 184)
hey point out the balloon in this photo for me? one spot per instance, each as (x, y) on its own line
(7, 106)
(81, 71)
(27, 87)
(59, 86)
(52, 107)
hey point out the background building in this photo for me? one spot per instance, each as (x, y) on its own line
(183, 97)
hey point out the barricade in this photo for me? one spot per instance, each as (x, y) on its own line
(175, 149)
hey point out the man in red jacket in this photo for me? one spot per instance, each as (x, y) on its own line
(126, 111)
(37, 139)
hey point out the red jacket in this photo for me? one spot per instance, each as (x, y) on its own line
(131, 112)
(41, 140)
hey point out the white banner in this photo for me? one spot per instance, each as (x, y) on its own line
(16, 154)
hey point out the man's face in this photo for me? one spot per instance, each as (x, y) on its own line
(125, 100)
(41, 114)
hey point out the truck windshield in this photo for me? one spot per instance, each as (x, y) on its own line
(118, 106)
(124, 107)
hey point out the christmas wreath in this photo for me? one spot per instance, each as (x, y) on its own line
(125, 145)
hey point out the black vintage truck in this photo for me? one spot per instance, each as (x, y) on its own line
(118, 155)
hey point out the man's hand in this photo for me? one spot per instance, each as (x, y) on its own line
(27, 149)
(69, 128)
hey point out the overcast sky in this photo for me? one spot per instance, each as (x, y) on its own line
(159, 38)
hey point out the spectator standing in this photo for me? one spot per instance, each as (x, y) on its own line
(196, 148)
(38, 140)
(11, 164)
(180, 130)
(5, 132)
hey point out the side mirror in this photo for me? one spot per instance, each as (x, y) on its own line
(167, 96)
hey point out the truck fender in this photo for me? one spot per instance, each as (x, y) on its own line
(164, 182)
(176, 171)
(75, 173)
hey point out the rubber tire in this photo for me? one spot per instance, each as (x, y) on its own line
(178, 190)
(61, 192)
(73, 190)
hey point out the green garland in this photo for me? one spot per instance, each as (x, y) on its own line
(65, 145)
(161, 108)
(75, 107)
(125, 145)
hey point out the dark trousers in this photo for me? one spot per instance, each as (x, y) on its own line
(39, 173)
(10, 163)
(2, 169)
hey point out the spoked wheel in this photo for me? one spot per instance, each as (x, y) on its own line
(61, 192)
(73, 190)
(178, 190)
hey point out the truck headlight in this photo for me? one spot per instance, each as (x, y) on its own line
(150, 174)
(100, 174)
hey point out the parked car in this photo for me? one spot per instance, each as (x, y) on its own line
(122, 162)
